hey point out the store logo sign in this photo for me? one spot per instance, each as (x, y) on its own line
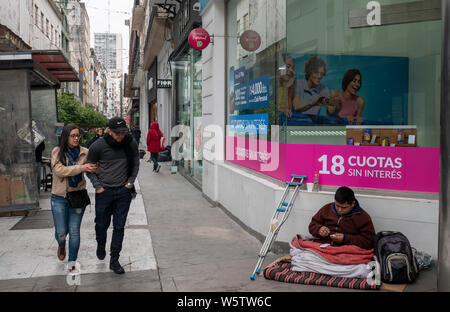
(199, 38)
(164, 83)
(374, 16)
(250, 40)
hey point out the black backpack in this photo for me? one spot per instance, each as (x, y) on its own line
(395, 256)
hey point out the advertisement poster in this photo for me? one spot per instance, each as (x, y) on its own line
(345, 89)
(252, 94)
(256, 123)
(389, 168)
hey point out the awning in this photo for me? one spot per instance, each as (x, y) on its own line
(56, 64)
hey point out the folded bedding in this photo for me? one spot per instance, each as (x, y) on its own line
(341, 261)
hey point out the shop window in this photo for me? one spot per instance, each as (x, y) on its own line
(336, 73)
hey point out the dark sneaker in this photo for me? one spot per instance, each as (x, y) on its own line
(101, 252)
(116, 267)
(159, 167)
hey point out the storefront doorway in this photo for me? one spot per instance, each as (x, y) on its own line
(188, 101)
(153, 113)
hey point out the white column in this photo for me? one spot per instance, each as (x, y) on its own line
(213, 86)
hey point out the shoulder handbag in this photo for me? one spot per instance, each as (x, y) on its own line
(78, 199)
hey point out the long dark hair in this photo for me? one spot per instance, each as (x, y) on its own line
(63, 142)
(349, 76)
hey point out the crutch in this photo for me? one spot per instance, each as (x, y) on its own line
(283, 210)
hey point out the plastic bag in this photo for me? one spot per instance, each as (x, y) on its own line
(423, 259)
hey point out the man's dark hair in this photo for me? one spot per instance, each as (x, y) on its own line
(314, 64)
(349, 76)
(344, 195)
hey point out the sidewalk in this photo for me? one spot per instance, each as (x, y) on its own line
(28, 259)
(199, 248)
(175, 240)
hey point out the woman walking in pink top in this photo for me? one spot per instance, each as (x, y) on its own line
(351, 105)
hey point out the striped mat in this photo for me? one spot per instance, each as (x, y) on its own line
(281, 271)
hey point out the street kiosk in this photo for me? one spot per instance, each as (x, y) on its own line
(28, 115)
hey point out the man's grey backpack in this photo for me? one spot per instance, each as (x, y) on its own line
(395, 256)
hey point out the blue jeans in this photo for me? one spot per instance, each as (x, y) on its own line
(154, 158)
(113, 202)
(67, 221)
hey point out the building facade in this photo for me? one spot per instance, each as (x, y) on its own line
(275, 124)
(150, 32)
(79, 48)
(344, 92)
(37, 24)
(108, 48)
(98, 83)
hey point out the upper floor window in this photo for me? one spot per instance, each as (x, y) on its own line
(36, 15)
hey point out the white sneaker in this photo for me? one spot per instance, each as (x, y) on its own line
(73, 268)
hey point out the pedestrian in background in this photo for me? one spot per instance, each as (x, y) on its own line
(118, 158)
(38, 153)
(68, 163)
(154, 136)
(136, 134)
(97, 136)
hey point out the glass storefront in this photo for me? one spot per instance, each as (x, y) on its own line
(188, 113)
(354, 90)
(18, 186)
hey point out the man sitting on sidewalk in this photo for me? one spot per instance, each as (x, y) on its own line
(343, 222)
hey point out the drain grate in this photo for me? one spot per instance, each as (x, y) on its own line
(42, 219)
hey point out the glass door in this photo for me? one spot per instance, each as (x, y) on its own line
(196, 126)
(188, 79)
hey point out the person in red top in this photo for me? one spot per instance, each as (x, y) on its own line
(154, 136)
(343, 222)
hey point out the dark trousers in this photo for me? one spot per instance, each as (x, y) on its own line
(113, 202)
(154, 158)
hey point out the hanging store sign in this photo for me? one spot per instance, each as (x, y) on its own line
(199, 38)
(164, 84)
(250, 40)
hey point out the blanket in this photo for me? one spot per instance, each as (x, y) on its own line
(304, 260)
(282, 271)
(346, 254)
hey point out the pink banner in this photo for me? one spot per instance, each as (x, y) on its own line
(392, 168)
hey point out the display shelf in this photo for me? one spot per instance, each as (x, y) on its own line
(389, 132)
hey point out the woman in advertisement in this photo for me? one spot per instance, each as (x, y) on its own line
(286, 86)
(346, 104)
(310, 93)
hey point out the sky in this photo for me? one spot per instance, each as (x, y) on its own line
(120, 10)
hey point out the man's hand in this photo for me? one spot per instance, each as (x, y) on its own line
(320, 100)
(128, 186)
(100, 190)
(324, 231)
(337, 237)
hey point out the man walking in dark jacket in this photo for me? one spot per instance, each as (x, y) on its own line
(117, 156)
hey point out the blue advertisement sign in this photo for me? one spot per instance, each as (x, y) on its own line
(256, 123)
(239, 75)
(252, 94)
